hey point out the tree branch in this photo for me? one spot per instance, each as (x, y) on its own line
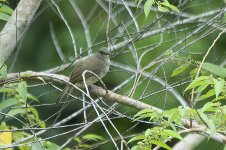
(16, 27)
(61, 79)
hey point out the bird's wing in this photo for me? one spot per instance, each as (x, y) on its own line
(80, 67)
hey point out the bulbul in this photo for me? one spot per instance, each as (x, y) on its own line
(97, 63)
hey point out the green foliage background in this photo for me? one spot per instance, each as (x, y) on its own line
(37, 52)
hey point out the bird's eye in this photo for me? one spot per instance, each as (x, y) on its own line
(103, 53)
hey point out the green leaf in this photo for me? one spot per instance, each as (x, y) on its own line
(172, 114)
(207, 95)
(36, 146)
(202, 87)
(4, 16)
(93, 137)
(22, 90)
(77, 139)
(134, 147)
(8, 103)
(136, 138)
(3, 67)
(14, 112)
(36, 117)
(29, 96)
(167, 4)
(161, 144)
(147, 133)
(209, 106)
(138, 4)
(144, 114)
(214, 69)
(196, 83)
(144, 111)
(172, 134)
(6, 90)
(182, 111)
(51, 146)
(5, 9)
(162, 9)
(218, 86)
(84, 146)
(147, 7)
(180, 69)
(218, 98)
(207, 121)
(40, 78)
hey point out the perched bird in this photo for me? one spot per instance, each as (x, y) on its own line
(97, 63)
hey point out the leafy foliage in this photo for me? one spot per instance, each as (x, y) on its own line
(16, 104)
(163, 6)
(86, 140)
(212, 114)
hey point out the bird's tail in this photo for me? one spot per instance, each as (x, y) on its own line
(66, 91)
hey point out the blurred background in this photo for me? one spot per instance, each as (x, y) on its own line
(161, 42)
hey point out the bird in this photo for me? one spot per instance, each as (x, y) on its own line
(98, 63)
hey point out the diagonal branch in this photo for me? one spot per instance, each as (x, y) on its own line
(61, 79)
(16, 27)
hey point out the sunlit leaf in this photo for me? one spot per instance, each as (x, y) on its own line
(147, 133)
(40, 78)
(196, 83)
(84, 145)
(134, 147)
(207, 121)
(6, 90)
(161, 144)
(207, 95)
(5, 138)
(214, 69)
(136, 138)
(202, 87)
(22, 90)
(218, 86)
(93, 137)
(77, 139)
(218, 98)
(173, 134)
(5, 9)
(36, 146)
(36, 115)
(144, 111)
(162, 9)
(180, 69)
(4, 16)
(147, 7)
(51, 146)
(14, 112)
(167, 4)
(29, 96)
(138, 3)
(208, 106)
(144, 114)
(171, 114)
(8, 103)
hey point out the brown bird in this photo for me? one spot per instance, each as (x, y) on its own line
(97, 63)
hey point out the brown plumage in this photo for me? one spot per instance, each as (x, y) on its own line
(97, 63)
